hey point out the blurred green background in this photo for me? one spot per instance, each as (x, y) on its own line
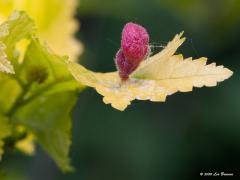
(188, 134)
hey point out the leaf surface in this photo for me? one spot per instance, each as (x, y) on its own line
(157, 77)
(48, 118)
(46, 107)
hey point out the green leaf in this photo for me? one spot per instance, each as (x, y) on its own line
(44, 71)
(41, 94)
(42, 61)
(51, 94)
(48, 118)
(5, 130)
(10, 91)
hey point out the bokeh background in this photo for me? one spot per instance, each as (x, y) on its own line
(188, 134)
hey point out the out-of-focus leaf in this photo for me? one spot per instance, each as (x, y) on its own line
(10, 90)
(51, 16)
(5, 130)
(5, 65)
(45, 71)
(2, 175)
(159, 76)
(41, 94)
(17, 27)
(52, 93)
(48, 118)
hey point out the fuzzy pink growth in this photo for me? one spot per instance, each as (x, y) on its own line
(134, 49)
(125, 67)
(134, 42)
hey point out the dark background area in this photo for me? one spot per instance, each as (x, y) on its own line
(188, 134)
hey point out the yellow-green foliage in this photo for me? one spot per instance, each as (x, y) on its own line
(38, 97)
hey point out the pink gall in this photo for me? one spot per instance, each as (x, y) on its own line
(134, 42)
(125, 67)
(134, 49)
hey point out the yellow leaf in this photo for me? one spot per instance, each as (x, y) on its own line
(151, 68)
(159, 76)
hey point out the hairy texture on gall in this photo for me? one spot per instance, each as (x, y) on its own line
(134, 42)
(134, 48)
